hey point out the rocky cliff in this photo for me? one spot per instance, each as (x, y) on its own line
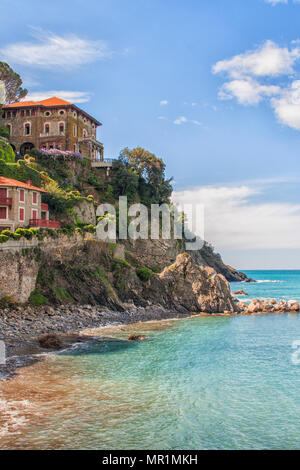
(76, 270)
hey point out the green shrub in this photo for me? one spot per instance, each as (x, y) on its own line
(123, 262)
(4, 132)
(7, 233)
(144, 274)
(36, 298)
(3, 238)
(6, 301)
(26, 233)
(6, 152)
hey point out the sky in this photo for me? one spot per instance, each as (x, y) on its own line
(211, 86)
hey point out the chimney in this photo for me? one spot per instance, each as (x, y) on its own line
(29, 182)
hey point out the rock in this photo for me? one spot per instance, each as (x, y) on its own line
(50, 341)
(240, 292)
(294, 307)
(136, 338)
(186, 286)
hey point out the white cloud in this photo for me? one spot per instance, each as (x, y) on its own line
(180, 120)
(72, 96)
(247, 91)
(50, 50)
(233, 220)
(287, 106)
(267, 60)
(275, 2)
(164, 103)
(162, 118)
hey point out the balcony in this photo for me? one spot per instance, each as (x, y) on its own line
(52, 134)
(44, 223)
(44, 207)
(6, 201)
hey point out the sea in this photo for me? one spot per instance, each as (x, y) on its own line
(196, 383)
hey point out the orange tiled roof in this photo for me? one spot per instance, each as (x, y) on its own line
(54, 101)
(18, 184)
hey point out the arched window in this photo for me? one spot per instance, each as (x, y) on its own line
(47, 128)
(61, 127)
(27, 128)
(84, 133)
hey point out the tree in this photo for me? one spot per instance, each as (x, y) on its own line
(154, 188)
(13, 84)
(125, 181)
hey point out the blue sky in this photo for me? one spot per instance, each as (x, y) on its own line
(211, 86)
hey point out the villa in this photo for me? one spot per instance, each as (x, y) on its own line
(21, 206)
(52, 123)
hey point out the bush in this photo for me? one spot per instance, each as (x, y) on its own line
(6, 301)
(36, 298)
(4, 132)
(144, 274)
(6, 152)
(26, 233)
(3, 238)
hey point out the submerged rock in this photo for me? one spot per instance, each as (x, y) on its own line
(136, 338)
(50, 341)
(240, 292)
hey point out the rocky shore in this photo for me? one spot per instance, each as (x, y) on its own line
(21, 327)
(268, 306)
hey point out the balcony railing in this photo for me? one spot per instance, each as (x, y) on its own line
(44, 207)
(6, 201)
(44, 223)
(52, 134)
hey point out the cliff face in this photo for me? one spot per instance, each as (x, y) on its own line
(87, 271)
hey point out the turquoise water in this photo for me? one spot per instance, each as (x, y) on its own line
(271, 284)
(200, 383)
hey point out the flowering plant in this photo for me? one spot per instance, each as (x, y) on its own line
(66, 154)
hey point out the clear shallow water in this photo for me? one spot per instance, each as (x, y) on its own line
(200, 383)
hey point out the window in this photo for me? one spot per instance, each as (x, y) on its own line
(34, 198)
(22, 113)
(61, 112)
(84, 133)
(14, 113)
(27, 128)
(33, 112)
(34, 214)
(47, 113)
(9, 128)
(61, 128)
(47, 128)
(74, 130)
(27, 112)
(3, 213)
(22, 214)
(8, 114)
(22, 195)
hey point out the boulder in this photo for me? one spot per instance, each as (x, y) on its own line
(240, 292)
(50, 341)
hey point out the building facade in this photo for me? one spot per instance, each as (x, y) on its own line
(49, 124)
(21, 206)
